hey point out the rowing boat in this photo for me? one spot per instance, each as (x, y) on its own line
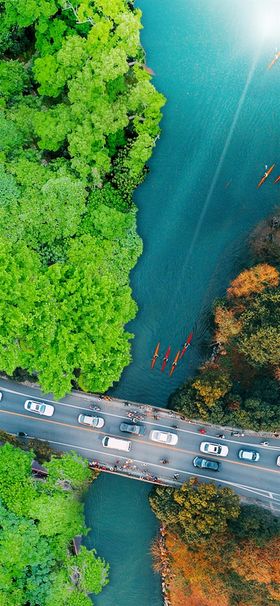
(174, 363)
(166, 358)
(266, 174)
(155, 356)
(186, 345)
(277, 180)
(275, 58)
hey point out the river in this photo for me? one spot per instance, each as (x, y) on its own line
(220, 128)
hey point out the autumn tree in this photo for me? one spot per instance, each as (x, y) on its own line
(253, 280)
(196, 510)
(212, 384)
(227, 325)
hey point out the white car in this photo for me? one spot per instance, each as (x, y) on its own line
(214, 449)
(39, 407)
(97, 422)
(165, 437)
(278, 461)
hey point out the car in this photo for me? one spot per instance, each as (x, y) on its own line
(220, 450)
(137, 430)
(96, 422)
(249, 455)
(165, 437)
(206, 464)
(1, 395)
(278, 461)
(39, 407)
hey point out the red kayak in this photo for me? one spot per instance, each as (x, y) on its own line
(186, 345)
(166, 358)
(277, 180)
(266, 174)
(155, 356)
(174, 363)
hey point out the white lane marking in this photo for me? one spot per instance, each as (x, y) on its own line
(151, 423)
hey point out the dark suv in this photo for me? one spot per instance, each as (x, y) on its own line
(206, 464)
(137, 430)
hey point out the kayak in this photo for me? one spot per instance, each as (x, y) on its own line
(275, 58)
(266, 174)
(166, 358)
(174, 363)
(186, 345)
(155, 356)
(277, 180)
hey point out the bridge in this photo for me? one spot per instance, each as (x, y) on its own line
(259, 481)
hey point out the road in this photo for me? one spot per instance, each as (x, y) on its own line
(259, 481)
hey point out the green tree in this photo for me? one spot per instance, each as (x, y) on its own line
(260, 336)
(92, 571)
(25, 12)
(70, 468)
(13, 78)
(255, 523)
(52, 127)
(16, 488)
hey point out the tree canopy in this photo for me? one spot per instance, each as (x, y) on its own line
(37, 522)
(79, 119)
(195, 510)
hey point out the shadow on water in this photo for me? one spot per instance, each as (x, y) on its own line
(202, 52)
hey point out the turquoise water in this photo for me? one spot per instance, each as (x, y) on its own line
(221, 127)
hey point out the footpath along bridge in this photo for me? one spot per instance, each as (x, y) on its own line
(259, 481)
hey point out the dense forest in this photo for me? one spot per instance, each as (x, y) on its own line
(218, 552)
(39, 519)
(240, 385)
(79, 118)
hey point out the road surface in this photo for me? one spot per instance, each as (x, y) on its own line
(259, 481)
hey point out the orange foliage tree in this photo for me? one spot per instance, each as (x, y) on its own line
(202, 572)
(253, 280)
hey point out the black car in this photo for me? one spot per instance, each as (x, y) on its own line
(206, 464)
(138, 430)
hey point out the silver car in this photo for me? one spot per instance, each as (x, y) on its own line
(165, 437)
(220, 450)
(249, 455)
(91, 421)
